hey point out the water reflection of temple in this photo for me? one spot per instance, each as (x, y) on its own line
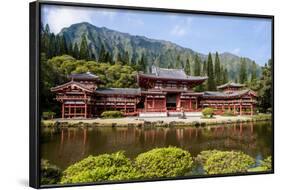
(228, 136)
(71, 145)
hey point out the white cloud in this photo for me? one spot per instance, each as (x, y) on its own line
(59, 17)
(178, 31)
(236, 51)
(182, 27)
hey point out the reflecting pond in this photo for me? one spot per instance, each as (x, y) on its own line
(67, 146)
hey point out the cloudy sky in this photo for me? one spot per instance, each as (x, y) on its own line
(249, 37)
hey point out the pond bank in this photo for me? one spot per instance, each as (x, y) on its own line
(153, 121)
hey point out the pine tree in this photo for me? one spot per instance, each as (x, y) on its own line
(222, 72)
(225, 76)
(70, 49)
(217, 69)
(52, 49)
(254, 72)
(204, 70)
(187, 67)
(102, 54)
(243, 72)
(210, 71)
(119, 58)
(197, 66)
(178, 62)
(76, 51)
(63, 45)
(84, 50)
(142, 64)
(127, 58)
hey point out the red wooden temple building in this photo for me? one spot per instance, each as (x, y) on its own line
(162, 92)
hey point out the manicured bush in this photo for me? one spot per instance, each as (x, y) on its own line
(48, 115)
(266, 163)
(262, 117)
(112, 114)
(50, 174)
(204, 155)
(223, 162)
(208, 112)
(229, 113)
(164, 162)
(100, 168)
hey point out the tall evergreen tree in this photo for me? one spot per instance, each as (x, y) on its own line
(119, 58)
(62, 45)
(254, 72)
(70, 49)
(142, 64)
(204, 70)
(187, 67)
(224, 76)
(75, 51)
(217, 69)
(178, 62)
(84, 49)
(53, 48)
(264, 88)
(210, 71)
(127, 58)
(243, 72)
(197, 66)
(102, 54)
(222, 72)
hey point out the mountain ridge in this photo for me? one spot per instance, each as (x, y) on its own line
(161, 53)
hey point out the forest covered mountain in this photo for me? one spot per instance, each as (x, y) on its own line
(159, 52)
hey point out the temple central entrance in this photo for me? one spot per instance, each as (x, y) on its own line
(171, 101)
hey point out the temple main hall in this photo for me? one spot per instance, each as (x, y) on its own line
(163, 92)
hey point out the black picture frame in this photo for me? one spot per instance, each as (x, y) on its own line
(34, 75)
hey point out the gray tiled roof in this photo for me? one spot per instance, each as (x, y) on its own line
(217, 94)
(172, 74)
(119, 91)
(231, 84)
(83, 76)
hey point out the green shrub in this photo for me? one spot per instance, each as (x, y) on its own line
(266, 163)
(111, 114)
(223, 162)
(262, 117)
(100, 168)
(48, 115)
(208, 112)
(50, 174)
(204, 155)
(229, 113)
(164, 162)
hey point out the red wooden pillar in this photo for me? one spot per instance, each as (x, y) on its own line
(178, 102)
(240, 108)
(125, 105)
(85, 110)
(251, 109)
(196, 104)
(190, 103)
(62, 110)
(228, 106)
(145, 104)
(74, 111)
(153, 103)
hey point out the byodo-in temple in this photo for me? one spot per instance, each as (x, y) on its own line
(163, 92)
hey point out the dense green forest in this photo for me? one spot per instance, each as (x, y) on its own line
(60, 58)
